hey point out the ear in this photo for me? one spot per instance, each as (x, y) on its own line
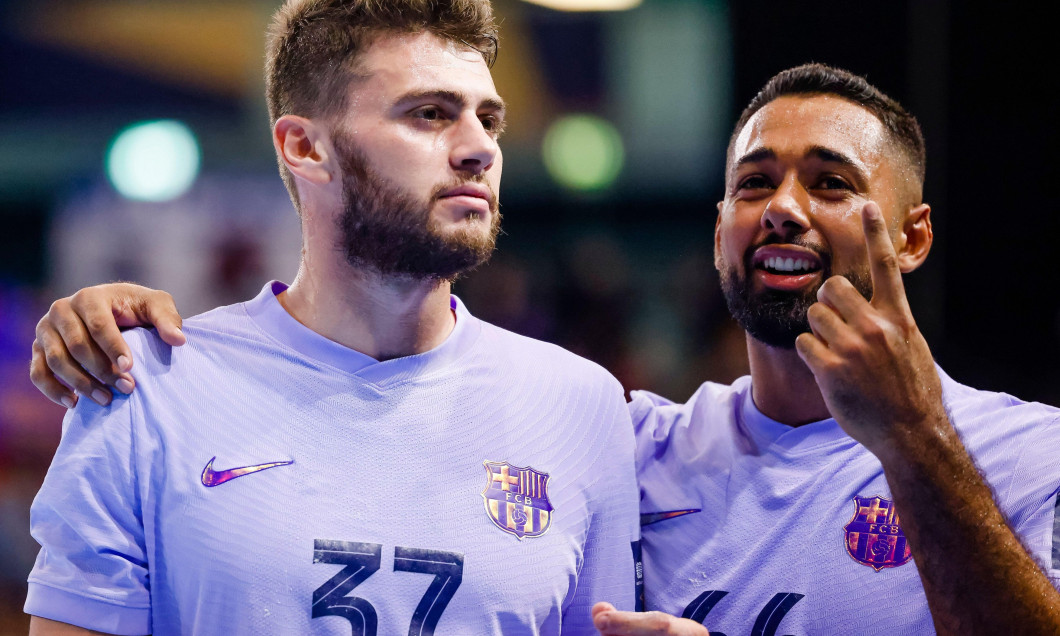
(304, 146)
(717, 237)
(917, 235)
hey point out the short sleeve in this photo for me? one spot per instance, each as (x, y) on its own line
(610, 569)
(1031, 500)
(92, 567)
(651, 430)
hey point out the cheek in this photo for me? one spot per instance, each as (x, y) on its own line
(833, 213)
(405, 159)
(734, 235)
(494, 175)
(849, 251)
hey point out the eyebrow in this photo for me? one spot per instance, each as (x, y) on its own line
(820, 153)
(834, 156)
(454, 98)
(762, 154)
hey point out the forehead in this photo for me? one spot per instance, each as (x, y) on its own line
(398, 63)
(793, 125)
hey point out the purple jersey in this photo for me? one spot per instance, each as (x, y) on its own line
(265, 480)
(751, 526)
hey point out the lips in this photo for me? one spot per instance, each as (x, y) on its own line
(469, 190)
(786, 267)
(470, 196)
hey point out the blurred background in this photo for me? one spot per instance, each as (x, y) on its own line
(134, 145)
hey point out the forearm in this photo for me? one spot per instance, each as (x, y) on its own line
(44, 627)
(978, 577)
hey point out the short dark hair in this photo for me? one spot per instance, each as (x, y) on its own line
(819, 79)
(313, 46)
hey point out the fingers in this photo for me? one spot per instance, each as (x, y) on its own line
(815, 353)
(602, 607)
(610, 622)
(887, 287)
(52, 364)
(157, 308)
(91, 334)
(105, 308)
(840, 294)
(45, 381)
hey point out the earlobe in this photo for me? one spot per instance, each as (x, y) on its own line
(304, 147)
(918, 238)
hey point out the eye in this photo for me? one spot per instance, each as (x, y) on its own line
(428, 113)
(832, 182)
(492, 124)
(754, 182)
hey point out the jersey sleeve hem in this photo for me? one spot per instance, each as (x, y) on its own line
(108, 617)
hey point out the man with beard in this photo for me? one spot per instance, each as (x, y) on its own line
(838, 488)
(355, 451)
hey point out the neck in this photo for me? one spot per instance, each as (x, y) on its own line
(380, 316)
(782, 386)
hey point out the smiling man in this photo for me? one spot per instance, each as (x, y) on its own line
(837, 489)
(847, 485)
(354, 451)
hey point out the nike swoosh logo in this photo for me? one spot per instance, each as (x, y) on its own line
(646, 519)
(211, 477)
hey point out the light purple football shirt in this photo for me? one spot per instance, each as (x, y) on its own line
(265, 480)
(796, 532)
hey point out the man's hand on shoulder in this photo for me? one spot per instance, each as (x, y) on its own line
(611, 622)
(79, 349)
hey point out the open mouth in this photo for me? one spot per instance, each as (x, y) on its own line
(788, 265)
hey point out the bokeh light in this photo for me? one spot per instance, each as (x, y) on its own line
(583, 152)
(154, 161)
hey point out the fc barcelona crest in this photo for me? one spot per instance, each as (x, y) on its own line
(516, 499)
(874, 537)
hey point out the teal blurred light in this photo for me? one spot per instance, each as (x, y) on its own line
(153, 161)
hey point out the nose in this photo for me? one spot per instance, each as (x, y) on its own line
(786, 211)
(474, 150)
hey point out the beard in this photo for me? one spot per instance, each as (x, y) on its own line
(391, 232)
(775, 317)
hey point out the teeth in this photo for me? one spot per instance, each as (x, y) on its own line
(779, 264)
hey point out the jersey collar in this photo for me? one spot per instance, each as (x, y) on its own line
(270, 316)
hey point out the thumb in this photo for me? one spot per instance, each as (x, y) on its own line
(602, 607)
(156, 307)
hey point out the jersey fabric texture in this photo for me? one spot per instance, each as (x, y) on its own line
(262, 479)
(797, 532)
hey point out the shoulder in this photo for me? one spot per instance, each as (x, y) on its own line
(711, 401)
(536, 356)
(685, 439)
(203, 331)
(1013, 442)
(978, 412)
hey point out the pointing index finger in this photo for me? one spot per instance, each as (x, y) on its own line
(887, 287)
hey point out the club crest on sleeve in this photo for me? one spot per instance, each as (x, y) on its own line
(516, 499)
(874, 536)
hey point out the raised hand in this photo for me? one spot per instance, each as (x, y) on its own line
(611, 622)
(871, 362)
(79, 346)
